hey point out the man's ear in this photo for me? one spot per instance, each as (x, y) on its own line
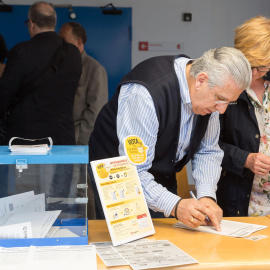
(201, 79)
(80, 45)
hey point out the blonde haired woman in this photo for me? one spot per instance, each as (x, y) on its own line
(244, 186)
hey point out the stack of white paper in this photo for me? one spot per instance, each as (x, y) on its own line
(44, 258)
(24, 216)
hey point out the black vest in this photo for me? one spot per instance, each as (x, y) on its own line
(158, 76)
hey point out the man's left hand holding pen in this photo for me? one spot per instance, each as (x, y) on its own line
(192, 212)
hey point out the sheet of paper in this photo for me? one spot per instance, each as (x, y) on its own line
(52, 231)
(228, 228)
(65, 233)
(35, 203)
(16, 231)
(62, 257)
(13, 258)
(122, 199)
(11, 203)
(109, 255)
(154, 254)
(256, 237)
(41, 222)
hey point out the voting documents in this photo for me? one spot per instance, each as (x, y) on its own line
(48, 257)
(228, 228)
(23, 216)
(154, 254)
(122, 199)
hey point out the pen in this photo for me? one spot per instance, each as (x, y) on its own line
(193, 196)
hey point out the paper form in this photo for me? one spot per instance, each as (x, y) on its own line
(228, 228)
(13, 258)
(62, 257)
(11, 203)
(41, 222)
(154, 254)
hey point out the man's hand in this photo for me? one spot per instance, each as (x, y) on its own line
(258, 163)
(192, 213)
(214, 208)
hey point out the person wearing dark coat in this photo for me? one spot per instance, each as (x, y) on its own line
(244, 185)
(47, 110)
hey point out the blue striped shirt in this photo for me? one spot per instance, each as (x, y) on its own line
(137, 116)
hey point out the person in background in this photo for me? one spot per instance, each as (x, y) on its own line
(39, 106)
(92, 91)
(91, 95)
(244, 185)
(172, 105)
(3, 54)
(47, 111)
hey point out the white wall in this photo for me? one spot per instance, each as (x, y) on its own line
(212, 23)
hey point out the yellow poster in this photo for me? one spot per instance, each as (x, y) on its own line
(122, 199)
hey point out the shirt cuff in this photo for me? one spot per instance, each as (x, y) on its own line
(206, 191)
(167, 202)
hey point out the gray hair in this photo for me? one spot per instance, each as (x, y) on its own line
(43, 15)
(222, 64)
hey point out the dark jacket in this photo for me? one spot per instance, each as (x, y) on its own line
(239, 136)
(48, 110)
(162, 83)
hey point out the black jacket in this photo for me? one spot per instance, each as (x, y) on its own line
(162, 83)
(239, 136)
(48, 110)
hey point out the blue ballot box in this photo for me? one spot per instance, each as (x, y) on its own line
(43, 197)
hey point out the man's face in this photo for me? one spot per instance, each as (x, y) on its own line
(207, 100)
(66, 33)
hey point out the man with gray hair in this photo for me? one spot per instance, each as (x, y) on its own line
(171, 106)
(40, 80)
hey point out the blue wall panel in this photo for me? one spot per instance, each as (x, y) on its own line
(109, 36)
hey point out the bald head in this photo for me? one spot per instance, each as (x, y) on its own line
(43, 15)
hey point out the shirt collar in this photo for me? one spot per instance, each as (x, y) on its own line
(180, 65)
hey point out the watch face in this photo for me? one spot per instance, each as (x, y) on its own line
(72, 15)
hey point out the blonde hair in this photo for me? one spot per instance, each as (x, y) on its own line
(252, 38)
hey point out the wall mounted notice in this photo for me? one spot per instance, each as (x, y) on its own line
(160, 46)
(122, 199)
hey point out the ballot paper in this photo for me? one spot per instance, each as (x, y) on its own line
(36, 203)
(62, 257)
(16, 231)
(53, 230)
(228, 228)
(52, 257)
(153, 254)
(41, 222)
(13, 258)
(11, 203)
(109, 255)
(65, 233)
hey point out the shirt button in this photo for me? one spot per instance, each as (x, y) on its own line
(248, 196)
(257, 136)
